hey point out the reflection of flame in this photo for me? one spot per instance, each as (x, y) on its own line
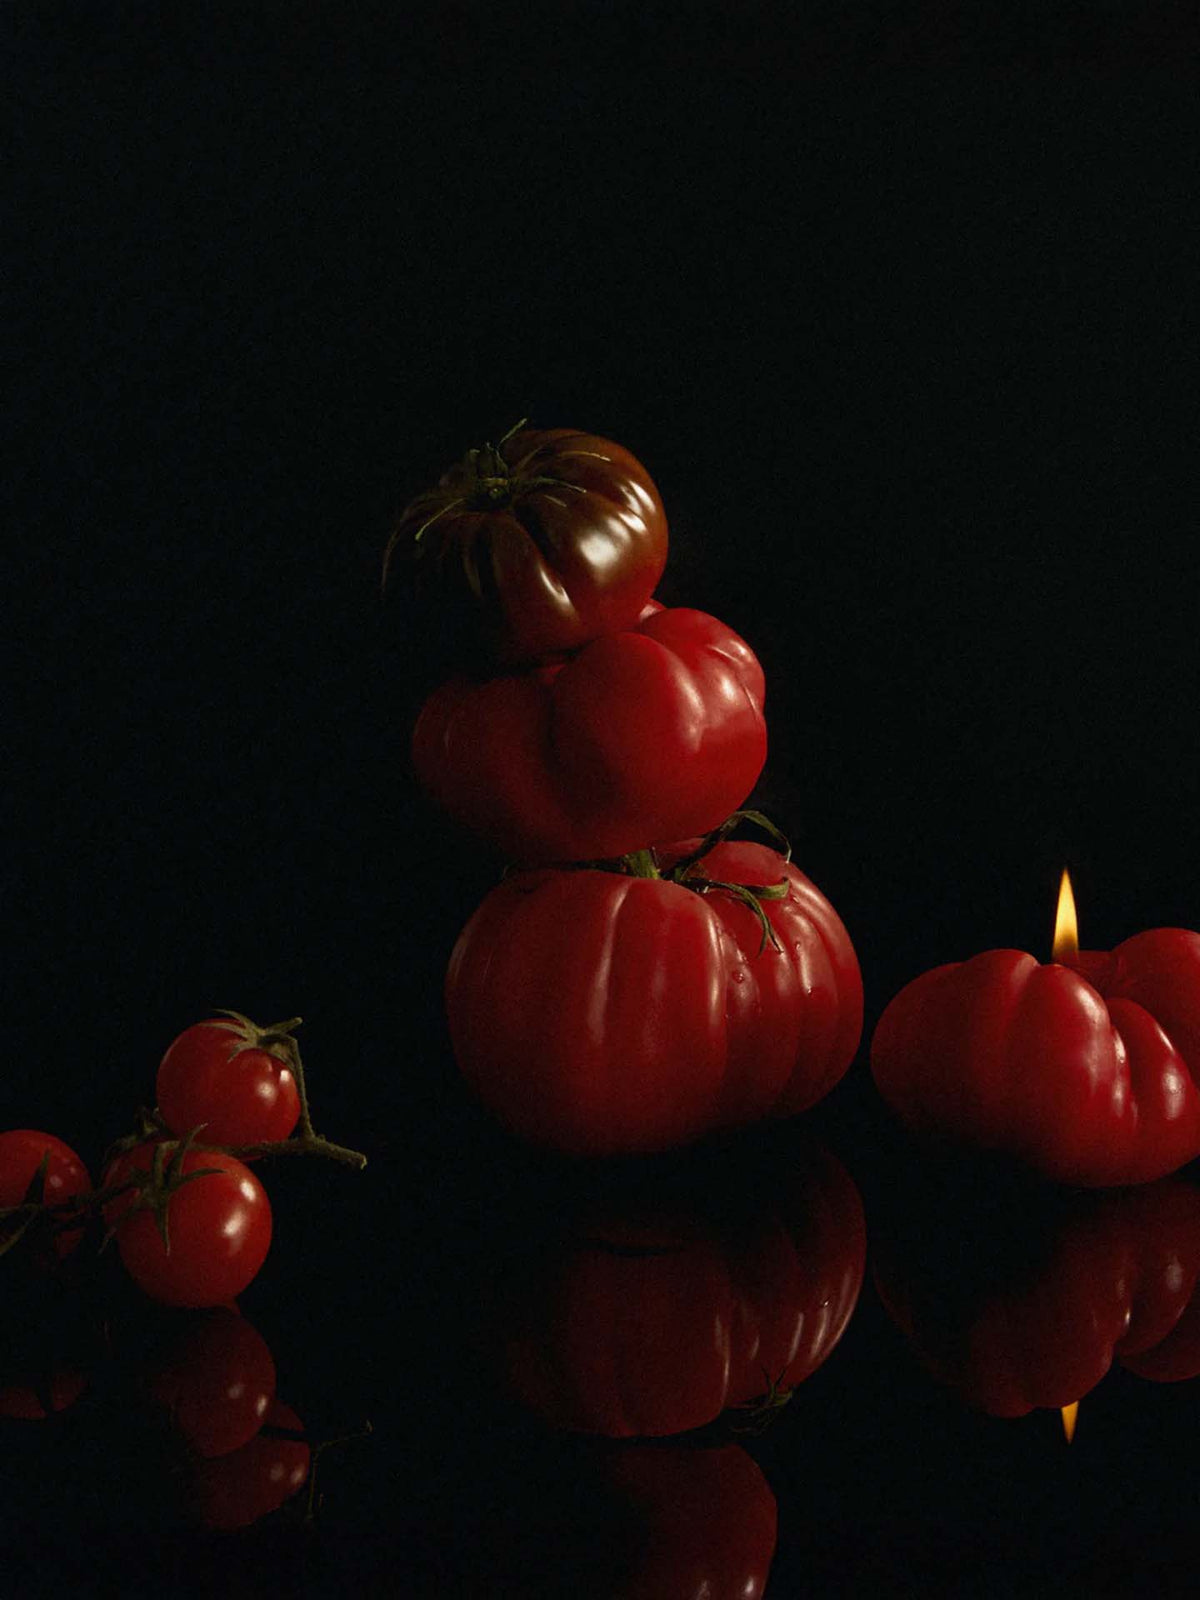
(1066, 925)
(1069, 1413)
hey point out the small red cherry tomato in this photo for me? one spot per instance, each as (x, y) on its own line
(219, 1227)
(217, 1382)
(242, 1092)
(235, 1490)
(21, 1152)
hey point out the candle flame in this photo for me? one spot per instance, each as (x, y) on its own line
(1066, 924)
(1069, 1413)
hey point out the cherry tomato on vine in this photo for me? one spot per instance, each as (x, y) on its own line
(231, 1076)
(219, 1227)
(21, 1152)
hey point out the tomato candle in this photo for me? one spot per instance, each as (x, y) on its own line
(1083, 1067)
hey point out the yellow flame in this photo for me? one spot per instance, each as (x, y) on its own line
(1066, 924)
(1069, 1413)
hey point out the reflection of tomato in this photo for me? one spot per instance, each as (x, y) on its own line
(601, 1522)
(1107, 1278)
(217, 1381)
(644, 736)
(705, 1523)
(600, 1014)
(234, 1490)
(28, 1401)
(651, 1321)
(549, 539)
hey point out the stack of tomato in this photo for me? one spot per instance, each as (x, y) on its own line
(640, 979)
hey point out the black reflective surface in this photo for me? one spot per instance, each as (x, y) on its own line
(897, 316)
(441, 1324)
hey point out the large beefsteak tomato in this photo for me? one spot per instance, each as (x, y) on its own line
(602, 1013)
(642, 737)
(549, 539)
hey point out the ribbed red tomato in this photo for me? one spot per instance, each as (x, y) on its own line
(551, 538)
(642, 737)
(1085, 1071)
(601, 1013)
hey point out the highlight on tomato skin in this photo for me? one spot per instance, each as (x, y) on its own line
(655, 1315)
(1073, 1283)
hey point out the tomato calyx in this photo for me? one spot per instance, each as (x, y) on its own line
(687, 872)
(488, 482)
(152, 1191)
(761, 1412)
(275, 1038)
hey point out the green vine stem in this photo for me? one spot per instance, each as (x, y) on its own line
(685, 872)
(64, 1215)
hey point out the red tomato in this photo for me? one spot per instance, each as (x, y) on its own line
(645, 736)
(217, 1382)
(234, 1490)
(603, 1014)
(551, 539)
(219, 1226)
(1083, 1071)
(241, 1094)
(21, 1152)
(641, 1324)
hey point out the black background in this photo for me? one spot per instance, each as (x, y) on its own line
(896, 304)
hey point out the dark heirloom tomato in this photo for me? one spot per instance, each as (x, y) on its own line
(644, 736)
(1095, 1278)
(1087, 1075)
(651, 1319)
(602, 1014)
(552, 538)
